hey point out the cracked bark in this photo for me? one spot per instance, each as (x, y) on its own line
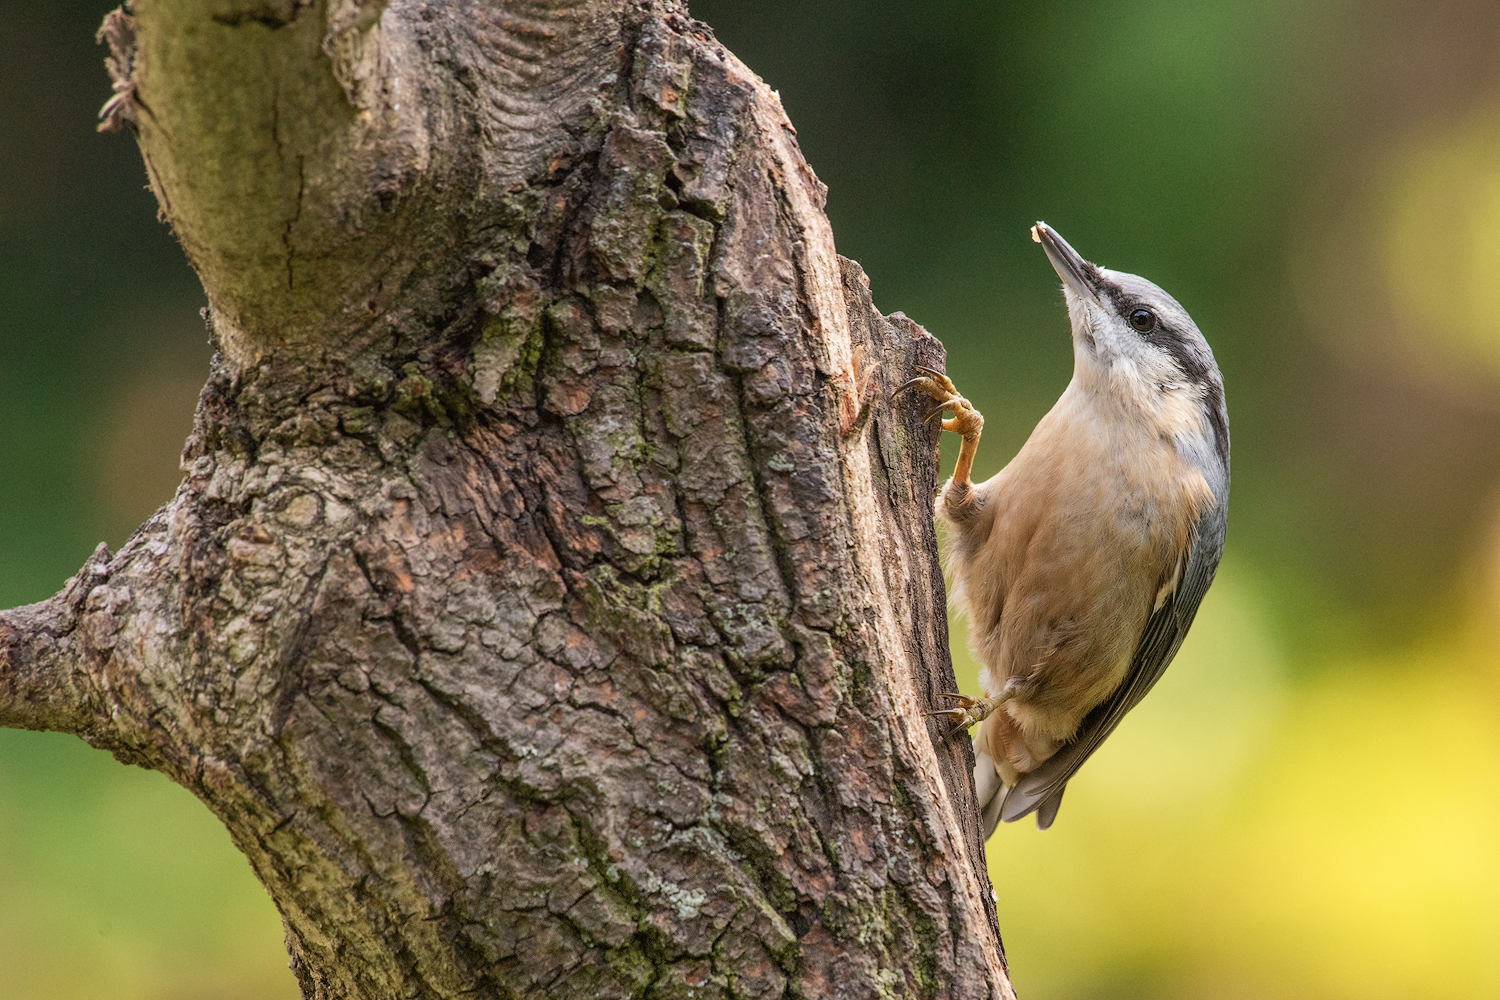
(551, 600)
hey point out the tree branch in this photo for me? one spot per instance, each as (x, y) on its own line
(49, 653)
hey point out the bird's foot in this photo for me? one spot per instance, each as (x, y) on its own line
(965, 420)
(970, 711)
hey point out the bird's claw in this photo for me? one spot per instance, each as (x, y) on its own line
(970, 711)
(908, 384)
(933, 382)
(966, 420)
(938, 377)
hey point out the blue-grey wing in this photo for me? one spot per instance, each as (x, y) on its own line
(1042, 788)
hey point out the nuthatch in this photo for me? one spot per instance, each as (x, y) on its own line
(1081, 564)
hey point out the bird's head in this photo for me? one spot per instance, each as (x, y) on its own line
(1132, 340)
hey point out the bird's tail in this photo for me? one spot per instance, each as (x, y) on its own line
(990, 790)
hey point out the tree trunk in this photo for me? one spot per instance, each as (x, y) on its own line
(552, 599)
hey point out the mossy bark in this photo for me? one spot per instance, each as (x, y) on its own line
(552, 598)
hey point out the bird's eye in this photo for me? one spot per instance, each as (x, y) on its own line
(1142, 319)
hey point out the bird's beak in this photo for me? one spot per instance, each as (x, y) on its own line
(1075, 272)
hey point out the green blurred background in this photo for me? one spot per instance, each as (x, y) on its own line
(1308, 806)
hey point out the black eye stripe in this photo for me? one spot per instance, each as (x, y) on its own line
(1197, 366)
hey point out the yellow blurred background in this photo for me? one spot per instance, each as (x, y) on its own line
(1308, 804)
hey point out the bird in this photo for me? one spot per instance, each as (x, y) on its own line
(1081, 564)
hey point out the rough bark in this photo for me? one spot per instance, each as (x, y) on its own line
(551, 601)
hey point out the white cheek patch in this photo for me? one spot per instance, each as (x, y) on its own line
(1157, 369)
(1146, 387)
